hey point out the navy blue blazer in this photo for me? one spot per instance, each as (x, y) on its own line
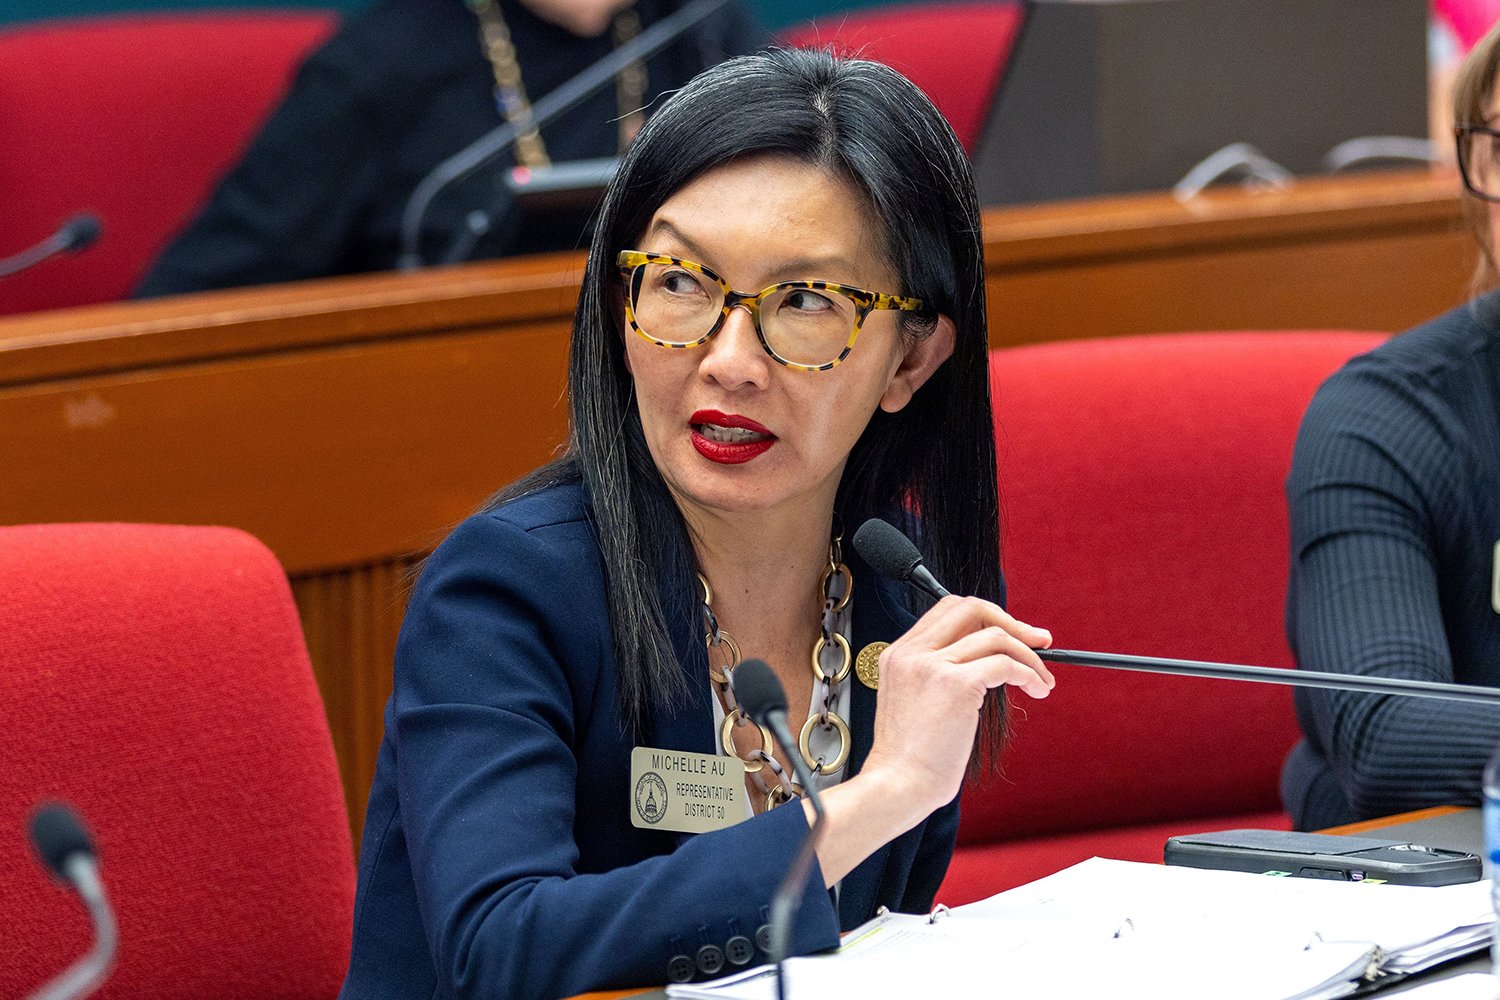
(498, 857)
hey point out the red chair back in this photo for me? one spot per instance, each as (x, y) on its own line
(1142, 511)
(133, 118)
(956, 52)
(156, 678)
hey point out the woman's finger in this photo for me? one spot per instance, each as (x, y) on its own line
(992, 641)
(1000, 670)
(954, 617)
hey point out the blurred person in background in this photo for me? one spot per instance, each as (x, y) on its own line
(400, 88)
(1395, 516)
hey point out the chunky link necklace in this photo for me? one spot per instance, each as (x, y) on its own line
(831, 660)
(510, 90)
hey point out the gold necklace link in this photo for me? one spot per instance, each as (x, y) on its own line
(837, 570)
(510, 88)
(845, 654)
(846, 743)
(726, 737)
(712, 641)
(836, 585)
(630, 83)
(785, 791)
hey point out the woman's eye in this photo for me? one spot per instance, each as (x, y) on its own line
(679, 283)
(807, 301)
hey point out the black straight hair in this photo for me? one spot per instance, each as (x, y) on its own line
(930, 466)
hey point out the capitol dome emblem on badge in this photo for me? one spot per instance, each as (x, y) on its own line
(651, 797)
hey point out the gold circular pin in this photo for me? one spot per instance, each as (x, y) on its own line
(867, 665)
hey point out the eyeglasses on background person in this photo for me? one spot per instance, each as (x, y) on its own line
(807, 325)
(1479, 160)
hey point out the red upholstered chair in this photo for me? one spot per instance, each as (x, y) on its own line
(956, 52)
(133, 118)
(156, 678)
(1142, 511)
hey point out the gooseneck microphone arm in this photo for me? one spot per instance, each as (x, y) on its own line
(760, 696)
(553, 104)
(1275, 675)
(65, 848)
(893, 555)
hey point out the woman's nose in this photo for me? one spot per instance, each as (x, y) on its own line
(734, 356)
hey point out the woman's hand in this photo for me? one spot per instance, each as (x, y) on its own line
(933, 682)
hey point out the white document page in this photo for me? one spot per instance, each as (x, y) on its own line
(1124, 929)
(900, 956)
(1411, 924)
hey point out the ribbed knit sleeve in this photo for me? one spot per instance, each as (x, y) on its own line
(1391, 543)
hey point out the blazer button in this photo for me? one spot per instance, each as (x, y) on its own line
(710, 959)
(680, 969)
(763, 938)
(739, 950)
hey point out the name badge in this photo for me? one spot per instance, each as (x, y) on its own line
(685, 792)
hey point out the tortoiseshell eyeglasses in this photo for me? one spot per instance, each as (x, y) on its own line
(807, 325)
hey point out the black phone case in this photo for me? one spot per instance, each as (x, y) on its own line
(1318, 855)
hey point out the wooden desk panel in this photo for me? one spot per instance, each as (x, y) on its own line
(334, 456)
(1369, 252)
(1252, 288)
(348, 423)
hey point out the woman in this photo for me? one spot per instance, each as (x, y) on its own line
(1395, 517)
(401, 87)
(704, 510)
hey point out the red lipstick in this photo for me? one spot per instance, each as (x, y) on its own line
(729, 452)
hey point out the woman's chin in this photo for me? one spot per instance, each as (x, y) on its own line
(726, 498)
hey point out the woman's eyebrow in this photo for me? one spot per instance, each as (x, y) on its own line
(795, 268)
(664, 227)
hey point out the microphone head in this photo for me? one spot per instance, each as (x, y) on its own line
(57, 834)
(886, 549)
(757, 690)
(80, 232)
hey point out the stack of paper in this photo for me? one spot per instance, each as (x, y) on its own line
(1121, 929)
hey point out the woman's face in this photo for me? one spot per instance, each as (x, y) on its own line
(729, 428)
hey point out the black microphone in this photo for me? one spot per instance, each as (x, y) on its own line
(892, 554)
(64, 847)
(760, 696)
(553, 104)
(73, 236)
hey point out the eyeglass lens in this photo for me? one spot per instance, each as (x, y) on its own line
(1481, 153)
(801, 325)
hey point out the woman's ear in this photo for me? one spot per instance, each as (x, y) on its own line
(923, 357)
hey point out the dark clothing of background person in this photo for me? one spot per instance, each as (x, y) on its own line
(1395, 518)
(397, 90)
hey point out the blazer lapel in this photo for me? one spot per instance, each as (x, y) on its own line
(686, 724)
(880, 615)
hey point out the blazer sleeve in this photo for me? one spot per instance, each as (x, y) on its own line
(1371, 496)
(930, 865)
(494, 673)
